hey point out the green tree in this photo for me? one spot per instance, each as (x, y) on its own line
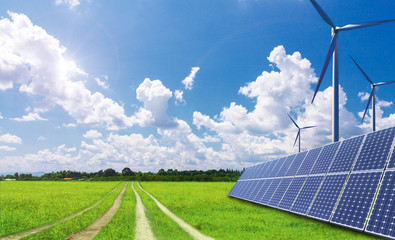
(109, 172)
(127, 172)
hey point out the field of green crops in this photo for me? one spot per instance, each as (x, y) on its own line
(204, 206)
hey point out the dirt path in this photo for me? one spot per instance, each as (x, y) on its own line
(143, 229)
(91, 231)
(195, 234)
(42, 228)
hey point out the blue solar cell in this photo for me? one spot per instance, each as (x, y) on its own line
(291, 193)
(346, 155)
(234, 188)
(251, 189)
(245, 174)
(263, 170)
(327, 197)
(240, 189)
(285, 166)
(325, 158)
(256, 189)
(277, 167)
(308, 162)
(269, 169)
(258, 169)
(375, 150)
(296, 164)
(244, 189)
(272, 188)
(265, 185)
(391, 164)
(307, 194)
(382, 218)
(356, 200)
(281, 189)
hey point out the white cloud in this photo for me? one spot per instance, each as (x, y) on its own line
(102, 83)
(1, 116)
(41, 138)
(92, 134)
(188, 81)
(35, 60)
(29, 117)
(9, 138)
(155, 97)
(69, 125)
(7, 148)
(70, 3)
(179, 98)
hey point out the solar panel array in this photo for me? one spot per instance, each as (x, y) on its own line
(349, 183)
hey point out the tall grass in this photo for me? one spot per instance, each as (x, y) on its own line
(207, 207)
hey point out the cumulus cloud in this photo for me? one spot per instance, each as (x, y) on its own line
(92, 134)
(9, 138)
(1, 116)
(7, 148)
(35, 60)
(69, 125)
(29, 117)
(41, 138)
(179, 98)
(70, 3)
(188, 81)
(102, 83)
(155, 97)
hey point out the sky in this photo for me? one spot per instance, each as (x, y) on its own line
(88, 85)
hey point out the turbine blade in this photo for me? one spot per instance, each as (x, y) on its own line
(296, 139)
(326, 63)
(360, 69)
(367, 105)
(308, 127)
(322, 13)
(293, 121)
(384, 83)
(362, 25)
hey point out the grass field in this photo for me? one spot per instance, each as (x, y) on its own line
(205, 206)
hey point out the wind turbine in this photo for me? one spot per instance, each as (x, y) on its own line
(372, 96)
(299, 128)
(334, 50)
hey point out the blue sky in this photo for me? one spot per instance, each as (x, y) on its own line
(87, 85)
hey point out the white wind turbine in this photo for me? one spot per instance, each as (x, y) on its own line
(372, 96)
(334, 50)
(299, 128)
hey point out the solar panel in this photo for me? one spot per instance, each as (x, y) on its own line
(296, 164)
(285, 166)
(263, 170)
(327, 197)
(270, 168)
(277, 167)
(308, 162)
(325, 158)
(346, 155)
(258, 170)
(391, 163)
(234, 188)
(291, 193)
(245, 173)
(251, 189)
(262, 191)
(307, 194)
(278, 195)
(375, 150)
(356, 200)
(272, 188)
(256, 189)
(382, 218)
(240, 189)
(243, 191)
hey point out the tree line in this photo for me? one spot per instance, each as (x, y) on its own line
(127, 174)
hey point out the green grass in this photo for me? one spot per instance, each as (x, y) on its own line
(162, 226)
(207, 207)
(26, 205)
(122, 226)
(65, 229)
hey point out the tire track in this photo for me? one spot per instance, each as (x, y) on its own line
(143, 228)
(91, 231)
(195, 234)
(42, 228)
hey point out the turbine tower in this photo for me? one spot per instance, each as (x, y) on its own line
(334, 50)
(298, 135)
(372, 96)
